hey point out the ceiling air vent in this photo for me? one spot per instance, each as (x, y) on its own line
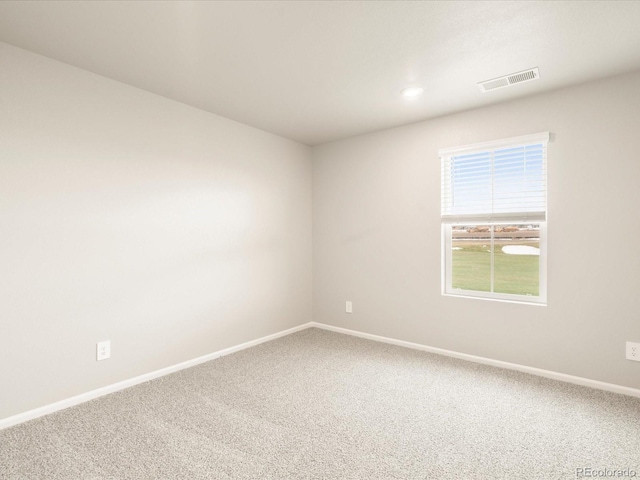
(508, 80)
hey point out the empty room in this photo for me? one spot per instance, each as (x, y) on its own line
(319, 240)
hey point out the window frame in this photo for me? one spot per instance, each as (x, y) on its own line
(523, 219)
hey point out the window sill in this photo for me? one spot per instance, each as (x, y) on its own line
(537, 303)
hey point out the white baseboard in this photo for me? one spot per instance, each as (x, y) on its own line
(563, 377)
(85, 397)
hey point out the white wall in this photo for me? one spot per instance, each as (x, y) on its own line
(376, 241)
(126, 216)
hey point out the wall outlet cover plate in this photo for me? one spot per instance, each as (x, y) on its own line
(103, 350)
(633, 351)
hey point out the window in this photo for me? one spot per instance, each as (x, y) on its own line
(494, 214)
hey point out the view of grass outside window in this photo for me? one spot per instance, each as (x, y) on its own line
(494, 211)
(496, 258)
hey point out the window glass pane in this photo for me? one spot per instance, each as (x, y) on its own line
(516, 259)
(471, 258)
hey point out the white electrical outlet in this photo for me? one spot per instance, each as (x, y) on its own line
(633, 351)
(349, 307)
(103, 350)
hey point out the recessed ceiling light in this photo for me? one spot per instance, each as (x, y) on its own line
(412, 91)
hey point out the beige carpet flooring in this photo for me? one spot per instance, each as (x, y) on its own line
(321, 405)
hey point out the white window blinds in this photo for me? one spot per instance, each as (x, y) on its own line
(503, 181)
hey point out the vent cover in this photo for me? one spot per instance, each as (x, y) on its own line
(508, 80)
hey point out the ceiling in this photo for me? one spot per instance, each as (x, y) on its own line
(319, 71)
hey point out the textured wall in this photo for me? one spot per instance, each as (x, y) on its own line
(377, 234)
(125, 216)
